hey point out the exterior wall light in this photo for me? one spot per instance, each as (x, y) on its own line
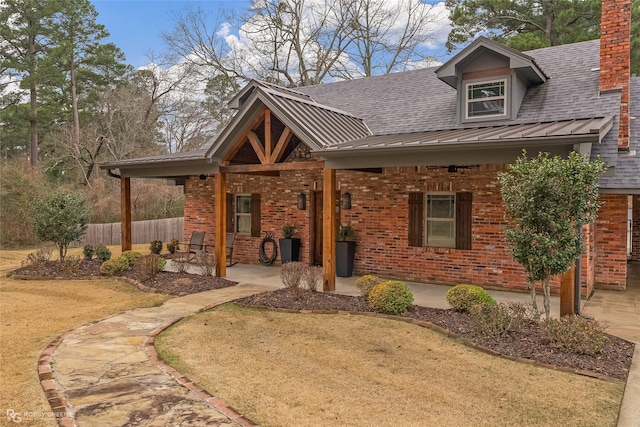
(346, 201)
(302, 201)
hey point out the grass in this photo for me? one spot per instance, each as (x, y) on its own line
(32, 313)
(284, 369)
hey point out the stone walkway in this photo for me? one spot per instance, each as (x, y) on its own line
(107, 373)
(106, 377)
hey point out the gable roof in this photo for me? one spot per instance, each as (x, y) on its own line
(319, 126)
(390, 111)
(523, 64)
(417, 101)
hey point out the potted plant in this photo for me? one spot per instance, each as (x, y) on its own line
(289, 245)
(345, 251)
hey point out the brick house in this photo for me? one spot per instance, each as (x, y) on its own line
(410, 161)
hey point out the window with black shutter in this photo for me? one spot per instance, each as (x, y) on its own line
(245, 214)
(440, 220)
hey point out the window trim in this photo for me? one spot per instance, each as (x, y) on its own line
(237, 214)
(463, 215)
(427, 219)
(467, 101)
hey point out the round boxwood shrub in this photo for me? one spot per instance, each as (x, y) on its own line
(390, 297)
(114, 266)
(463, 297)
(103, 253)
(131, 256)
(366, 283)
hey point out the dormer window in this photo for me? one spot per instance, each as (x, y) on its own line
(486, 99)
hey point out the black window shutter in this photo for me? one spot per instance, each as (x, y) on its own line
(255, 215)
(463, 220)
(230, 214)
(416, 219)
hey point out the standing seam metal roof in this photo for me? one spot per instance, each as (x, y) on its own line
(506, 133)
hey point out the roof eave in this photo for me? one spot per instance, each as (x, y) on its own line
(464, 152)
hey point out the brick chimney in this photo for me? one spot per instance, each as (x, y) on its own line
(615, 58)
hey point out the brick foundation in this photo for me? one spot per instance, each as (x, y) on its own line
(611, 243)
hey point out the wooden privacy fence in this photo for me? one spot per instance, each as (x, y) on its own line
(141, 232)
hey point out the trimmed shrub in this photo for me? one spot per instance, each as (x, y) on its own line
(148, 266)
(390, 297)
(463, 297)
(131, 256)
(312, 276)
(103, 253)
(366, 283)
(114, 266)
(577, 334)
(291, 274)
(37, 258)
(173, 246)
(88, 251)
(493, 320)
(71, 264)
(155, 246)
(206, 263)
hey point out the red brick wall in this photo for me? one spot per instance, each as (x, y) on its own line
(635, 239)
(379, 218)
(199, 209)
(615, 62)
(611, 242)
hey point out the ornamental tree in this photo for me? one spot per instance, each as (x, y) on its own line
(61, 218)
(547, 201)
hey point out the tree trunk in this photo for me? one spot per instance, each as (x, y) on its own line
(547, 298)
(33, 114)
(534, 299)
(74, 103)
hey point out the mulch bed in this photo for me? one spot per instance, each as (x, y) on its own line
(164, 282)
(529, 343)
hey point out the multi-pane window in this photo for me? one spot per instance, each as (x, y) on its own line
(243, 213)
(486, 99)
(441, 220)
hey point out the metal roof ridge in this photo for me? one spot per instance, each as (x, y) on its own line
(310, 103)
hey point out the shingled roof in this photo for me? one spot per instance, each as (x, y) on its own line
(626, 175)
(410, 108)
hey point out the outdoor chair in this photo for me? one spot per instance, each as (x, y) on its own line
(231, 237)
(194, 247)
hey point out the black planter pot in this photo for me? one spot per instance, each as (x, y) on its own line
(289, 250)
(345, 254)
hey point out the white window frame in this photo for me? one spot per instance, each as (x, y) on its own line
(237, 214)
(468, 101)
(428, 219)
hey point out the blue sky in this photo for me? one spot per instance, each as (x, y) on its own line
(136, 25)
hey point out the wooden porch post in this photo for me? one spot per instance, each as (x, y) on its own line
(567, 291)
(329, 230)
(220, 223)
(125, 213)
